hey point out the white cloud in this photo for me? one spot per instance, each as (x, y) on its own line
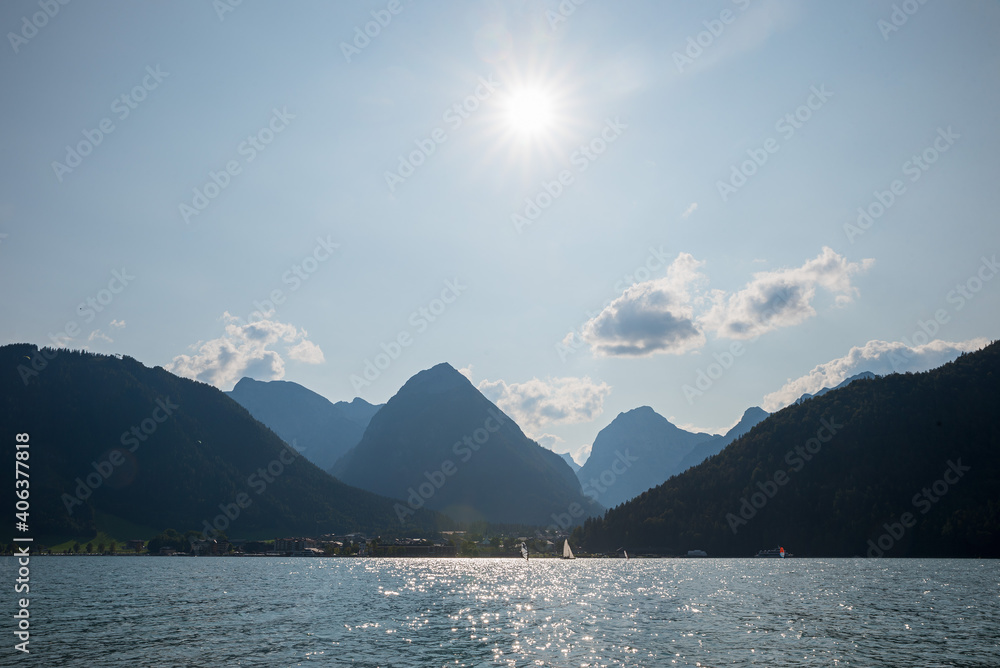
(536, 403)
(698, 429)
(467, 372)
(117, 324)
(879, 357)
(674, 313)
(651, 317)
(580, 454)
(306, 351)
(245, 350)
(691, 209)
(98, 335)
(550, 441)
(783, 297)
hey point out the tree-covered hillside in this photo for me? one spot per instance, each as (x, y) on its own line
(910, 462)
(111, 437)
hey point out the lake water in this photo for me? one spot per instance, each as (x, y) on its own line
(107, 611)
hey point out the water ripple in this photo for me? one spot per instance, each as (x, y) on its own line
(105, 611)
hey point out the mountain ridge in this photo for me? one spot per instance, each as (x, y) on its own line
(844, 474)
(438, 441)
(655, 446)
(156, 450)
(864, 375)
(321, 430)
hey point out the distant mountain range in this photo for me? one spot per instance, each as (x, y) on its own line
(901, 465)
(120, 447)
(751, 418)
(640, 449)
(572, 462)
(440, 443)
(864, 375)
(321, 430)
(904, 465)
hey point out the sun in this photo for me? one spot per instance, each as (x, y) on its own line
(529, 111)
(533, 123)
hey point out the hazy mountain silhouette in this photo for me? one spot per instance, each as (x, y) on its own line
(900, 465)
(572, 462)
(751, 418)
(113, 440)
(864, 375)
(440, 442)
(641, 448)
(638, 450)
(321, 430)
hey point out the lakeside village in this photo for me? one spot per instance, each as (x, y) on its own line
(170, 543)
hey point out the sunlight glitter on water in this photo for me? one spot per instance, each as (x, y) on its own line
(475, 612)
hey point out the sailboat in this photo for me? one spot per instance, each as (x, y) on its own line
(524, 551)
(567, 552)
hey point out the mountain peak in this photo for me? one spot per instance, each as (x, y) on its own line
(864, 375)
(639, 435)
(751, 417)
(439, 422)
(641, 414)
(439, 378)
(641, 410)
(245, 382)
(321, 430)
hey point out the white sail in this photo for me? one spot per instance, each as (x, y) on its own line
(626, 554)
(567, 552)
(524, 551)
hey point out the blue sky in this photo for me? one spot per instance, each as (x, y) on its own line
(592, 203)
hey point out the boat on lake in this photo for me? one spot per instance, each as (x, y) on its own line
(567, 552)
(774, 553)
